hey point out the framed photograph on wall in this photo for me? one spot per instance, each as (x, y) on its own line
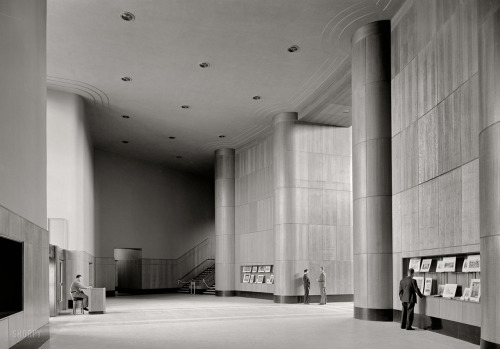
(475, 290)
(246, 278)
(449, 290)
(252, 278)
(415, 264)
(449, 264)
(428, 287)
(420, 282)
(267, 269)
(271, 279)
(260, 279)
(254, 269)
(261, 269)
(474, 263)
(247, 269)
(426, 265)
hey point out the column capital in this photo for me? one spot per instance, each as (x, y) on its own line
(286, 116)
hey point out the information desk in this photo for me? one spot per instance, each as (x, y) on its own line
(97, 300)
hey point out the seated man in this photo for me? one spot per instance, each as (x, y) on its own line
(77, 293)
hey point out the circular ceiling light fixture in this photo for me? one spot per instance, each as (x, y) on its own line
(293, 48)
(171, 137)
(127, 16)
(125, 142)
(126, 78)
(125, 116)
(222, 136)
(204, 65)
(256, 98)
(185, 106)
(179, 157)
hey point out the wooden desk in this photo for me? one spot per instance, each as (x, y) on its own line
(97, 300)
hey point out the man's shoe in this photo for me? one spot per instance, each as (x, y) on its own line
(410, 329)
(86, 309)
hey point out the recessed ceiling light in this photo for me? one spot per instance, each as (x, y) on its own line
(125, 142)
(204, 64)
(179, 157)
(171, 137)
(256, 97)
(222, 136)
(293, 48)
(127, 16)
(185, 106)
(125, 116)
(127, 78)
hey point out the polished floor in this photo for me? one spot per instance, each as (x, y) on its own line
(202, 321)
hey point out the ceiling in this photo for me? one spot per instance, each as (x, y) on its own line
(90, 48)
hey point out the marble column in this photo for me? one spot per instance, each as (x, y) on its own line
(372, 188)
(489, 170)
(224, 223)
(290, 230)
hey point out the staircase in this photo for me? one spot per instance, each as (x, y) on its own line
(205, 282)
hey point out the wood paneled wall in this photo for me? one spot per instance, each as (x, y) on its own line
(435, 113)
(105, 273)
(36, 278)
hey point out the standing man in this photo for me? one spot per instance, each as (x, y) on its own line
(407, 289)
(77, 293)
(307, 285)
(322, 286)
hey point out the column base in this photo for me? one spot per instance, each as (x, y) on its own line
(489, 345)
(373, 314)
(313, 299)
(224, 293)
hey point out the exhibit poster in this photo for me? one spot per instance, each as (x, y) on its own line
(254, 269)
(415, 264)
(465, 266)
(267, 269)
(420, 282)
(475, 290)
(440, 290)
(466, 294)
(260, 279)
(428, 287)
(261, 269)
(440, 267)
(474, 263)
(271, 279)
(449, 264)
(246, 278)
(426, 265)
(252, 278)
(247, 269)
(449, 290)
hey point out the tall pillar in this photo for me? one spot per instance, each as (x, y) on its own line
(489, 170)
(290, 230)
(372, 187)
(224, 222)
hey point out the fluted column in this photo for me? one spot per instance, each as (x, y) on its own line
(489, 170)
(290, 232)
(224, 222)
(372, 188)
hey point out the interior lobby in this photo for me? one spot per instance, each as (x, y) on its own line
(222, 147)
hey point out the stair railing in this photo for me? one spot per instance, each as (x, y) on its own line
(196, 271)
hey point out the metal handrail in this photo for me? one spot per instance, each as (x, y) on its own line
(195, 268)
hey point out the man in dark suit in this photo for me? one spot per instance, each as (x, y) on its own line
(408, 291)
(307, 285)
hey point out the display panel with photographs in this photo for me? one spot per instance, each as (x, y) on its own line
(475, 290)
(474, 263)
(449, 264)
(449, 290)
(246, 278)
(428, 287)
(466, 294)
(420, 282)
(415, 264)
(426, 265)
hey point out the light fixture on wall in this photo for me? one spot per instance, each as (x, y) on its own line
(127, 16)
(126, 78)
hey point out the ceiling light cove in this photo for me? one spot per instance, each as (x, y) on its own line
(204, 65)
(293, 48)
(126, 78)
(127, 16)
